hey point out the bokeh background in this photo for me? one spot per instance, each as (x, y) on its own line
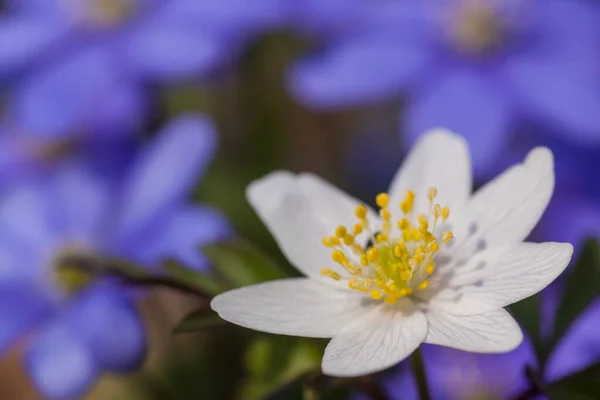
(130, 129)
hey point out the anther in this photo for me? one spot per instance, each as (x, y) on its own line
(358, 228)
(364, 261)
(447, 236)
(348, 240)
(385, 214)
(373, 254)
(445, 213)
(361, 212)
(330, 273)
(405, 275)
(341, 232)
(423, 285)
(403, 224)
(338, 256)
(381, 238)
(432, 193)
(376, 294)
(382, 200)
(430, 268)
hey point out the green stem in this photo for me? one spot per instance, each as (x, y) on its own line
(418, 367)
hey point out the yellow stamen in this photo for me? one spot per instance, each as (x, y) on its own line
(395, 260)
(373, 254)
(447, 236)
(445, 213)
(338, 256)
(376, 294)
(432, 193)
(330, 273)
(382, 200)
(423, 285)
(361, 212)
(341, 232)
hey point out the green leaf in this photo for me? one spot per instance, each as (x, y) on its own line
(581, 385)
(527, 313)
(582, 287)
(275, 362)
(240, 264)
(199, 320)
(205, 283)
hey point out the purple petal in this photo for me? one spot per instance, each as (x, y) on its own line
(558, 90)
(112, 328)
(357, 72)
(21, 306)
(80, 205)
(81, 92)
(38, 8)
(25, 222)
(399, 384)
(161, 51)
(24, 39)
(579, 348)
(468, 103)
(16, 163)
(556, 27)
(165, 173)
(60, 364)
(231, 18)
(570, 219)
(181, 237)
(457, 375)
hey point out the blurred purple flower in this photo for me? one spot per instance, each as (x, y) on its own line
(23, 157)
(579, 347)
(82, 65)
(474, 66)
(81, 329)
(459, 375)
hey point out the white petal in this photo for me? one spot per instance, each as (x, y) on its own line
(299, 211)
(501, 276)
(376, 341)
(441, 159)
(297, 306)
(492, 332)
(333, 206)
(506, 209)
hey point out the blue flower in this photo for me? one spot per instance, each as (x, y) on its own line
(475, 66)
(83, 65)
(83, 327)
(580, 346)
(23, 157)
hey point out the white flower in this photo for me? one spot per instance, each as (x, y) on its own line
(380, 285)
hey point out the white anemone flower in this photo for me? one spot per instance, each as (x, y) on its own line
(381, 283)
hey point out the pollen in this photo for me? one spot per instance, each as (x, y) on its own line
(398, 259)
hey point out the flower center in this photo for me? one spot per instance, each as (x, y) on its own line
(101, 13)
(395, 261)
(476, 28)
(73, 270)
